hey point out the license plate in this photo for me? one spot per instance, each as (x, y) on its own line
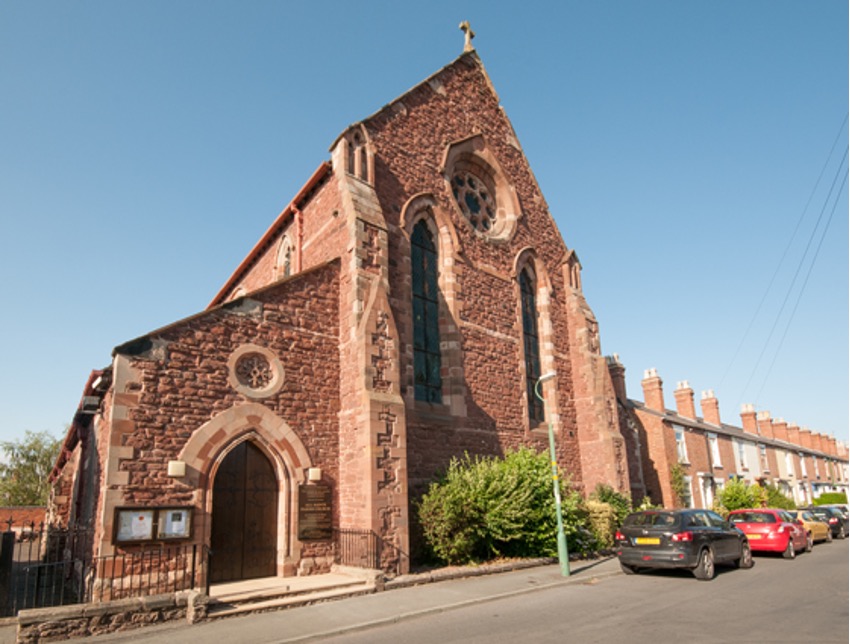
(753, 536)
(647, 541)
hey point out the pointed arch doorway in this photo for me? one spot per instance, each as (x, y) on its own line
(243, 538)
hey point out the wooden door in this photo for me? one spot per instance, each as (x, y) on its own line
(244, 516)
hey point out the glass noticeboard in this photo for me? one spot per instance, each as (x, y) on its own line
(140, 525)
(174, 523)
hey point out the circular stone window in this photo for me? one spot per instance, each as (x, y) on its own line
(476, 200)
(255, 372)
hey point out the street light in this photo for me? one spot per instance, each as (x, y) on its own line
(563, 556)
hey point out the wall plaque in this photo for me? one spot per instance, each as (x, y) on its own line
(315, 513)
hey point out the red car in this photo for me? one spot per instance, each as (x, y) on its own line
(770, 530)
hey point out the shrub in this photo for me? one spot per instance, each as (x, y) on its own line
(487, 507)
(776, 499)
(831, 498)
(739, 494)
(621, 503)
(603, 521)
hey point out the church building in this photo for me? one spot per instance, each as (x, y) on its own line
(403, 309)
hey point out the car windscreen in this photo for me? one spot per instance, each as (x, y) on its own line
(655, 519)
(753, 517)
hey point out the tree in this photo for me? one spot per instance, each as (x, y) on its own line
(25, 466)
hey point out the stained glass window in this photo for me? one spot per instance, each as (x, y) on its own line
(531, 343)
(426, 328)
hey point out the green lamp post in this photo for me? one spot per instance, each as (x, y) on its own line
(563, 556)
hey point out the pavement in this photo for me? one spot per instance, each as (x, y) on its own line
(406, 597)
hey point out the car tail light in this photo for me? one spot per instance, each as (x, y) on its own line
(619, 536)
(781, 530)
(683, 536)
(833, 520)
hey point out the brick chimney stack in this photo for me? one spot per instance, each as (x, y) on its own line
(748, 419)
(764, 424)
(794, 435)
(618, 376)
(819, 442)
(806, 438)
(685, 400)
(780, 430)
(653, 393)
(710, 407)
(833, 446)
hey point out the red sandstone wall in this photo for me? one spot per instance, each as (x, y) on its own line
(410, 139)
(322, 237)
(190, 386)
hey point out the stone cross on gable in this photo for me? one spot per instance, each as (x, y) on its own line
(469, 35)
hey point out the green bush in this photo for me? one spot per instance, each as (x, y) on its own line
(775, 499)
(603, 521)
(484, 508)
(738, 494)
(621, 503)
(831, 498)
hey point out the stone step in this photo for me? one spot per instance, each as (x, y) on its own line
(220, 607)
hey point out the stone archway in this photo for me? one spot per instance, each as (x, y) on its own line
(208, 450)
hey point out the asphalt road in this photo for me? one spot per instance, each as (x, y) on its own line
(804, 600)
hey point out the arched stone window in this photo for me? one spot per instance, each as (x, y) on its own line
(357, 163)
(481, 189)
(285, 263)
(531, 342)
(427, 380)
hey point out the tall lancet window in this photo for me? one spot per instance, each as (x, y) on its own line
(426, 322)
(531, 343)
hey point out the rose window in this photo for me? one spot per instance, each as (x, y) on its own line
(254, 371)
(475, 200)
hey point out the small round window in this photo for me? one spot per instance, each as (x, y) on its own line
(476, 200)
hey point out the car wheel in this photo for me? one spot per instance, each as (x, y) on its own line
(790, 551)
(705, 566)
(746, 560)
(810, 542)
(629, 570)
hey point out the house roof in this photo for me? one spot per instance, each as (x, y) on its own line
(673, 417)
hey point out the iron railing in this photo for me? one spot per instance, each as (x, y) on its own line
(366, 549)
(55, 568)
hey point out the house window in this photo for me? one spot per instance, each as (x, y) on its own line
(789, 463)
(817, 467)
(531, 343)
(714, 449)
(426, 323)
(765, 466)
(742, 455)
(687, 499)
(681, 448)
(803, 472)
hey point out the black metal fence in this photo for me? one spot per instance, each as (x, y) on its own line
(366, 549)
(42, 566)
(53, 567)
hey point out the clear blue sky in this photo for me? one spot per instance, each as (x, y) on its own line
(146, 146)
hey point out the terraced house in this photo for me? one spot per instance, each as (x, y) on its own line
(709, 452)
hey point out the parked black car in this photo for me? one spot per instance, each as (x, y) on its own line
(834, 518)
(691, 539)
